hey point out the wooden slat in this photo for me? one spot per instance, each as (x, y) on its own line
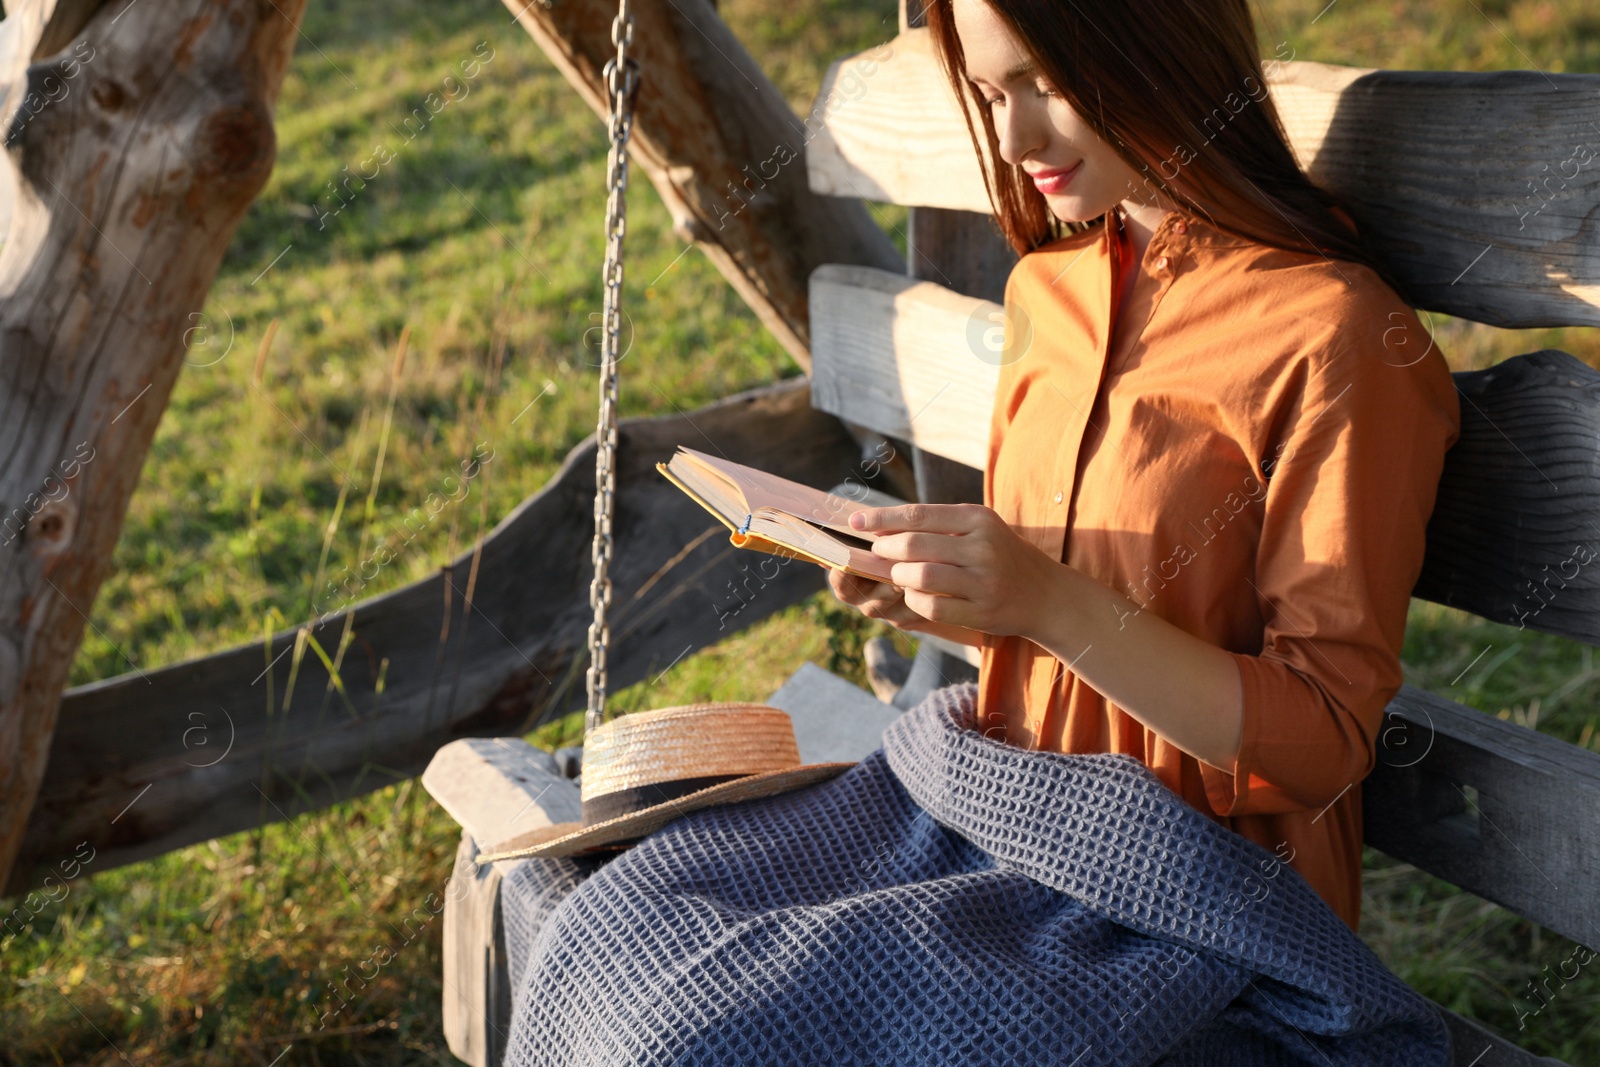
(495, 788)
(1525, 842)
(893, 354)
(833, 720)
(963, 251)
(1436, 166)
(124, 779)
(1475, 1045)
(476, 971)
(960, 250)
(1513, 535)
(896, 134)
(499, 787)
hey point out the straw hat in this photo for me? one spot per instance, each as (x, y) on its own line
(643, 770)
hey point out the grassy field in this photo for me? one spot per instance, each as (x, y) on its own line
(481, 239)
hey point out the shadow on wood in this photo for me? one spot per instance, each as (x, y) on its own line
(1488, 212)
(1513, 536)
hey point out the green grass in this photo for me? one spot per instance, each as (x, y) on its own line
(482, 238)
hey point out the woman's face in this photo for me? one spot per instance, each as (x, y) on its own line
(1079, 174)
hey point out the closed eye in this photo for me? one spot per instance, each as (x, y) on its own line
(986, 101)
(1043, 90)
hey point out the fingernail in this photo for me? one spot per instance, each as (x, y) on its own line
(858, 521)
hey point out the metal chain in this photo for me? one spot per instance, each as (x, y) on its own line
(622, 84)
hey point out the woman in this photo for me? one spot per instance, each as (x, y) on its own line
(1211, 469)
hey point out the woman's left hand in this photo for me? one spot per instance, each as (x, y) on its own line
(961, 564)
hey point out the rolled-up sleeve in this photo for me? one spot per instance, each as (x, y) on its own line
(1352, 470)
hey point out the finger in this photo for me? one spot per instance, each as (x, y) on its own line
(853, 589)
(929, 518)
(938, 578)
(894, 612)
(842, 584)
(882, 598)
(937, 607)
(882, 593)
(929, 547)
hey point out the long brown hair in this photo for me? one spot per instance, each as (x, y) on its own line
(1176, 88)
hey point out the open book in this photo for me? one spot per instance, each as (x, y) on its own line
(772, 514)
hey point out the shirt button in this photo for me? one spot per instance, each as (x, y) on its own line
(1058, 496)
(1161, 264)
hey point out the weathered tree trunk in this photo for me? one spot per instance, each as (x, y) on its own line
(138, 136)
(724, 149)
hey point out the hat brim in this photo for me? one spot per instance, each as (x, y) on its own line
(571, 838)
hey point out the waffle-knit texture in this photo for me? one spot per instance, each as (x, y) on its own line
(950, 900)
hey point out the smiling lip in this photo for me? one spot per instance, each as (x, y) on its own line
(1054, 181)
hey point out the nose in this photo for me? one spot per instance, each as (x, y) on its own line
(1020, 130)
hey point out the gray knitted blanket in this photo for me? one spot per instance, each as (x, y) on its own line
(950, 900)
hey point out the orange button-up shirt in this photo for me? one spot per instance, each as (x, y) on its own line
(1254, 460)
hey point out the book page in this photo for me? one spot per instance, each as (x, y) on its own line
(692, 474)
(763, 490)
(713, 489)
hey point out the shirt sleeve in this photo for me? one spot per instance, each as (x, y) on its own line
(1352, 472)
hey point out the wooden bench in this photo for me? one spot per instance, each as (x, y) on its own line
(1496, 809)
